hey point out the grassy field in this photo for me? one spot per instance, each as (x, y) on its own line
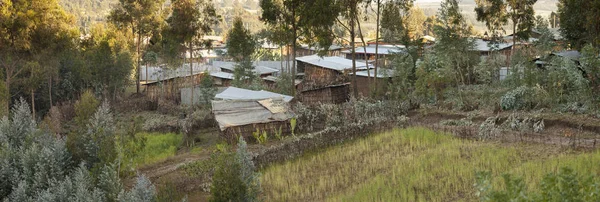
(413, 165)
(158, 147)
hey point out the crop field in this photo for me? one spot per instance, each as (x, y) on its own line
(414, 164)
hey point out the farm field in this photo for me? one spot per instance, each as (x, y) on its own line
(414, 164)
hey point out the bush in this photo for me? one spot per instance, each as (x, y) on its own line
(523, 98)
(567, 185)
(36, 165)
(488, 129)
(234, 178)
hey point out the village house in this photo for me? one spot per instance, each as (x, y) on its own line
(169, 88)
(262, 71)
(305, 50)
(370, 52)
(486, 48)
(222, 79)
(325, 78)
(365, 81)
(241, 112)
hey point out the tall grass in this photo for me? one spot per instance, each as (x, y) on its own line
(158, 147)
(415, 164)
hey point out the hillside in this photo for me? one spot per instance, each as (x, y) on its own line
(542, 7)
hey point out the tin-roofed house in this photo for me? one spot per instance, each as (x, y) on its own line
(241, 112)
(365, 81)
(326, 79)
(169, 88)
(371, 52)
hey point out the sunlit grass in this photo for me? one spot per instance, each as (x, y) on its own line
(410, 165)
(158, 147)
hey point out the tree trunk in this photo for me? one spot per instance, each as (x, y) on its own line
(294, 43)
(139, 59)
(362, 38)
(33, 104)
(353, 46)
(192, 74)
(8, 97)
(377, 46)
(50, 91)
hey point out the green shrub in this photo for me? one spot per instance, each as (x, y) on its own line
(158, 147)
(234, 178)
(523, 98)
(567, 185)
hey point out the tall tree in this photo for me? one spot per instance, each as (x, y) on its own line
(308, 20)
(240, 47)
(349, 13)
(388, 21)
(579, 22)
(142, 17)
(31, 35)
(495, 13)
(453, 44)
(190, 20)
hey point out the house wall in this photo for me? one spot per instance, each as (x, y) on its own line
(317, 77)
(366, 85)
(170, 89)
(328, 95)
(232, 133)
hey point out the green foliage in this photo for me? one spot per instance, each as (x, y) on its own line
(234, 176)
(157, 147)
(279, 133)
(590, 63)
(108, 59)
(142, 191)
(523, 98)
(575, 24)
(293, 123)
(36, 165)
(282, 85)
(403, 78)
(566, 83)
(566, 185)
(432, 79)
(227, 184)
(240, 43)
(208, 90)
(488, 70)
(261, 137)
(143, 18)
(85, 108)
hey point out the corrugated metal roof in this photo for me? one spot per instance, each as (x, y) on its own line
(222, 75)
(331, 48)
(483, 46)
(335, 63)
(262, 70)
(169, 78)
(233, 93)
(381, 73)
(382, 49)
(232, 113)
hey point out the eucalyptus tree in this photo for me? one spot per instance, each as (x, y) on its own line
(32, 34)
(142, 17)
(241, 46)
(307, 20)
(496, 14)
(189, 22)
(578, 22)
